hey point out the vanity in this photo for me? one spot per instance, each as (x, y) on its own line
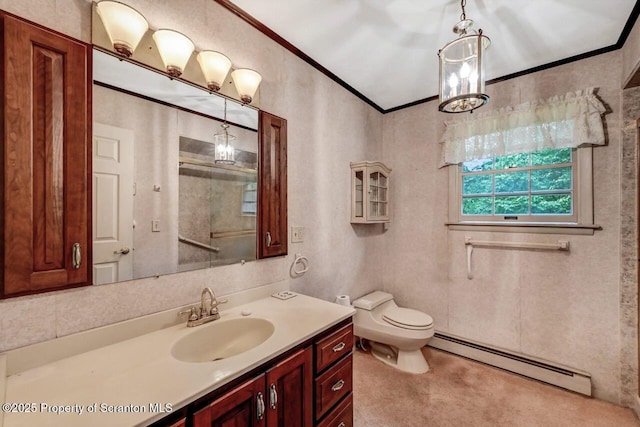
(299, 375)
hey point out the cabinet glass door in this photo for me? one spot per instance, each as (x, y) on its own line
(359, 187)
(377, 195)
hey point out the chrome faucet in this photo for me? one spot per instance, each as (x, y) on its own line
(203, 303)
(204, 315)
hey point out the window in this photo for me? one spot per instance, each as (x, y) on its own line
(249, 199)
(521, 185)
(552, 188)
(545, 182)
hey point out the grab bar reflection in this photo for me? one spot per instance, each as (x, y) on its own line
(183, 239)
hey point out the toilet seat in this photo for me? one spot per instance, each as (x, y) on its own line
(407, 318)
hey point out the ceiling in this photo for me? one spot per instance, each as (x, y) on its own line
(386, 50)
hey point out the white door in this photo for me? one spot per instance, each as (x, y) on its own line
(112, 204)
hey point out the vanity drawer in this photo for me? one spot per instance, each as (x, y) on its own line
(341, 416)
(333, 385)
(333, 347)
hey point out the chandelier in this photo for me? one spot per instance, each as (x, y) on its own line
(225, 153)
(462, 68)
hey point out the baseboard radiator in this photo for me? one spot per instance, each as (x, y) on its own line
(528, 366)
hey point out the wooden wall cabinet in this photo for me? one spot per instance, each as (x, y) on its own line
(272, 184)
(369, 192)
(45, 132)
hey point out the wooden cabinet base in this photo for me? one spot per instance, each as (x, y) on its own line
(341, 416)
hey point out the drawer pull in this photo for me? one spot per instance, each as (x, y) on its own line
(339, 347)
(342, 424)
(337, 386)
(260, 406)
(273, 396)
(76, 256)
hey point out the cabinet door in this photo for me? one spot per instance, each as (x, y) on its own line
(358, 199)
(272, 193)
(46, 158)
(243, 406)
(180, 423)
(378, 191)
(289, 389)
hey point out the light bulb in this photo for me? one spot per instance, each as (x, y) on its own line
(465, 70)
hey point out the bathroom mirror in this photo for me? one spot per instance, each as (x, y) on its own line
(161, 203)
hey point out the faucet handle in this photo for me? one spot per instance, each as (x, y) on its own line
(215, 303)
(191, 311)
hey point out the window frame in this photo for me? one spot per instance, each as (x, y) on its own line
(581, 222)
(245, 202)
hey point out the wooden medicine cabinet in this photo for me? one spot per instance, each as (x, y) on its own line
(46, 129)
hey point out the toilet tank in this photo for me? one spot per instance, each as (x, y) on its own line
(372, 300)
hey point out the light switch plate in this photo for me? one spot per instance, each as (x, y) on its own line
(297, 234)
(155, 225)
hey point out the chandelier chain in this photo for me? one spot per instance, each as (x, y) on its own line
(463, 3)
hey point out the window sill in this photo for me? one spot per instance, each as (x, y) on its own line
(525, 227)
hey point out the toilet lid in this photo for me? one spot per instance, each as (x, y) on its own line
(407, 318)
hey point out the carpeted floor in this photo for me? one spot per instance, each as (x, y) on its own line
(459, 392)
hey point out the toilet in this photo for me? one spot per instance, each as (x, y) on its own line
(396, 334)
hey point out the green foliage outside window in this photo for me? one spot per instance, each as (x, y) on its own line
(519, 184)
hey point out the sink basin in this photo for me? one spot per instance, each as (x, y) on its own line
(222, 339)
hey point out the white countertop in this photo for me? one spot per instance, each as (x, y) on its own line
(136, 374)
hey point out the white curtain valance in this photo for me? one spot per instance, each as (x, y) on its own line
(570, 120)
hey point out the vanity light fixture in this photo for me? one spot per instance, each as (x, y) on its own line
(215, 67)
(125, 26)
(462, 75)
(225, 152)
(246, 82)
(175, 50)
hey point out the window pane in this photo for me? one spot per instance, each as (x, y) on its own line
(383, 194)
(551, 156)
(512, 182)
(477, 184)
(476, 205)
(559, 204)
(477, 165)
(550, 179)
(513, 161)
(512, 205)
